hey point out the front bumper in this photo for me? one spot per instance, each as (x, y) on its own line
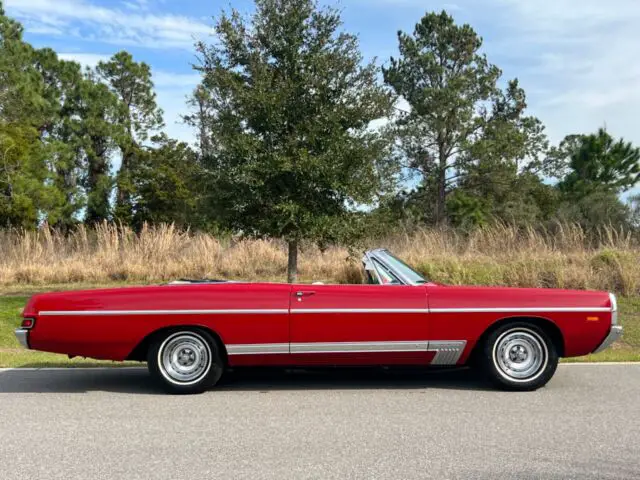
(22, 334)
(614, 334)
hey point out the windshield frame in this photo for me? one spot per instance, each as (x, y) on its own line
(406, 274)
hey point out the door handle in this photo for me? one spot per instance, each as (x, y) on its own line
(304, 294)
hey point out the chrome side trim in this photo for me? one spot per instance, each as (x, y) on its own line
(22, 334)
(520, 309)
(320, 310)
(447, 352)
(359, 310)
(614, 334)
(258, 348)
(359, 347)
(164, 312)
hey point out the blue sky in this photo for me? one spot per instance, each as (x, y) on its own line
(576, 59)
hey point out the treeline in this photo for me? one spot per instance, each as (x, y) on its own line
(62, 128)
(298, 137)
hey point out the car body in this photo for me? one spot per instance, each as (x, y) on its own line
(190, 331)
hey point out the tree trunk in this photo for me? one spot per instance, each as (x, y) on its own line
(98, 200)
(122, 197)
(442, 197)
(123, 211)
(292, 267)
(441, 180)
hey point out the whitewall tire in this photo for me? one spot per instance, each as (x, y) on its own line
(185, 361)
(519, 356)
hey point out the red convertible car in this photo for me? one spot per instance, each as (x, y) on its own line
(189, 332)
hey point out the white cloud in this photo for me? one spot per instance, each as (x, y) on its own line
(128, 24)
(85, 59)
(582, 72)
(40, 29)
(570, 18)
(172, 90)
(421, 4)
(169, 79)
(136, 4)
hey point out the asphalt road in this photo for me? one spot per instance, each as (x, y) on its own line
(113, 424)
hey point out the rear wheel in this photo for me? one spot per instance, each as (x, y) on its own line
(185, 361)
(519, 356)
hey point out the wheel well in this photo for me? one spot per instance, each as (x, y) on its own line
(139, 353)
(546, 325)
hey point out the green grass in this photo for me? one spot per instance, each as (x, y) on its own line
(20, 290)
(10, 309)
(12, 355)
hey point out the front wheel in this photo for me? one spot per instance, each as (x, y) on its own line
(185, 361)
(519, 356)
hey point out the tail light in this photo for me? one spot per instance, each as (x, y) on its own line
(28, 323)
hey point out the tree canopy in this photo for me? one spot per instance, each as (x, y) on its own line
(298, 136)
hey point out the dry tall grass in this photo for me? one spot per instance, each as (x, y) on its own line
(566, 258)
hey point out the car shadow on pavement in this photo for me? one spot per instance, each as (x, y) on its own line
(351, 379)
(137, 380)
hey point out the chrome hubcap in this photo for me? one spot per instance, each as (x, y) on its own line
(520, 355)
(184, 358)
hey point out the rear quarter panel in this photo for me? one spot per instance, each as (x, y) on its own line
(114, 336)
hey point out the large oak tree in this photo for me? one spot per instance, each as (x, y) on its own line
(291, 148)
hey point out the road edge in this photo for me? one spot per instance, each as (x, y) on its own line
(32, 369)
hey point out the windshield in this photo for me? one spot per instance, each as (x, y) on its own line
(401, 267)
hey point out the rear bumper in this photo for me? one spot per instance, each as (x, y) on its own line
(22, 334)
(614, 334)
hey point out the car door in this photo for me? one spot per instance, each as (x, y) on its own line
(358, 325)
(252, 320)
